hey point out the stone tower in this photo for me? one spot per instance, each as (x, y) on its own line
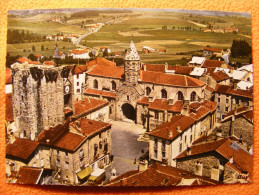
(132, 64)
(38, 98)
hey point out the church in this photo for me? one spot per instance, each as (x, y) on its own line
(145, 97)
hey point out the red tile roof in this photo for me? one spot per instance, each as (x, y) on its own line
(100, 61)
(8, 107)
(23, 59)
(162, 131)
(90, 127)
(78, 52)
(219, 76)
(167, 79)
(212, 49)
(228, 149)
(246, 112)
(159, 175)
(185, 70)
(21, 148)
(210, 105)
(8, 76)
(79, 69)
(88, 105)
(100, 93)
(154, 67)
(49, 63)
(199, 110)
(38, 55)
(226, 89)
(200, 113)
(210, 70)
(143, 100)
(107, 71)
(69, 141)
(67, 110)
(209, 88)
(212, 63)
(29, 175)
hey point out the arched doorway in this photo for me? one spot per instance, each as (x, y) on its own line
(129, 111)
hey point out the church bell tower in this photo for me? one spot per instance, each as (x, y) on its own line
(132, 64)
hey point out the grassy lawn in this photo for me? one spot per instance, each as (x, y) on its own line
(17, 49)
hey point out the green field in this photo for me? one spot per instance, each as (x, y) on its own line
(146, 30)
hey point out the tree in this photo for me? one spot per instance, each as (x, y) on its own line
(32, 57)
(42, 47)
(33, 48)
(240, 48)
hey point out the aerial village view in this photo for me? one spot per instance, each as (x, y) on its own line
(128, 97)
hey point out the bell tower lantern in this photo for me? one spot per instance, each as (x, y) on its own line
(132, 64)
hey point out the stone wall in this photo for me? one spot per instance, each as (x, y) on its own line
(38, 98)
(189, 163)
(241, 128)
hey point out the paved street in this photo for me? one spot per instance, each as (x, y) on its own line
(125, 146)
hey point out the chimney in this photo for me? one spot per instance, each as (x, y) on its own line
(143, 165)
(198, 168)
(235, 85)
(166, 66)
(231, 160)
(145, 67)
(178, 128)
(170, 133)
(171, 102)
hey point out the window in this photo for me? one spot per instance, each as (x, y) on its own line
(42, 162)
(148, 91)
(156, 114)
(66, 154)
(218, 107)
(78, 90)
(113, 85)
(227, 101)
(155, 153)
(95, 85)
(77, 76)
(226, 109)
(81, 154)
(180, 147)
(95, 150)
(100, 145)
(66, 165)
(57, 152)
(128, 98)
(191, 139)
(100, 135)
(163, 145)
(155, 146)
(180, 96)
(163, 94)
(58, 162)
(193, 96)
(218, 99)
(185, 139)
(77, 84)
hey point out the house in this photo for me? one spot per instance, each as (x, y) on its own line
(214, 64)
(160, 175)
(99, 61)
(93, 109)
(61, 55)
(8, 81)
(222, 160)
(239, 123)
(49, 63)
(76, 145)
(24, 60)
(31, 175)
(49, 37)
(209, 51)
(162, 51)
(39, 56)
(197, 61)
(79, 78)
(214, 78)
(147, 49)
(79, 54)
(230, 98)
